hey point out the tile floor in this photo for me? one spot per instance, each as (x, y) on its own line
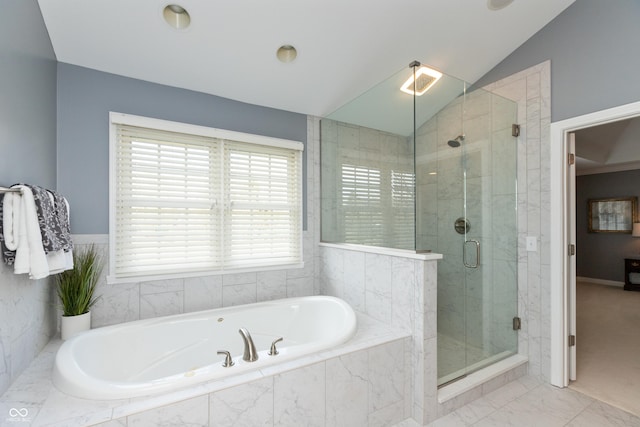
(527, 402)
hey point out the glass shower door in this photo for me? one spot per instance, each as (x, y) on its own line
(477, 233)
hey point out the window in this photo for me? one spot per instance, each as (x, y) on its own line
(377, 206)
(189, 200)
(362, 205)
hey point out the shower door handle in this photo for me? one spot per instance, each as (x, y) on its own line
(464, 254)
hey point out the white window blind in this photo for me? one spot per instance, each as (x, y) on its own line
(362, 206)
(377, 206)
(189, 202)
(403, 211)
(264, 205)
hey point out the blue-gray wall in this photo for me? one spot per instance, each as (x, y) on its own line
(601, 255)
(27, 154)
(593, 48)
(85, 98)
(27, 97)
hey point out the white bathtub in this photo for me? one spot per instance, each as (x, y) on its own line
(155, 355)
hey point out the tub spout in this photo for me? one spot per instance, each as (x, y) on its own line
(250, 353)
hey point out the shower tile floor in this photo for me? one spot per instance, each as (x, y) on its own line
(454, 355)
(527, 402)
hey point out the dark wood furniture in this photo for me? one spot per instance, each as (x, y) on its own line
(631, 265)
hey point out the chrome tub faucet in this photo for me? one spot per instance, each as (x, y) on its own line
(250, 353)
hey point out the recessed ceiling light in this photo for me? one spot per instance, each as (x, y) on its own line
(176, 16)
(498, 4)
(286, 53)
(425, 78)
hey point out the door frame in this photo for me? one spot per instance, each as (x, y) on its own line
(562, 314)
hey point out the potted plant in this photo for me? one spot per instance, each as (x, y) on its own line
(76, 289)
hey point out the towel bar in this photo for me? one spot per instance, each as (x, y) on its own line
(9, 190)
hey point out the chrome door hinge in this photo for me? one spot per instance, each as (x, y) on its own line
(572, 158)
(572, 340)
(572, 250)
(517, 323)
(515, 130)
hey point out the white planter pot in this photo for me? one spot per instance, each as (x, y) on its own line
(71, 325)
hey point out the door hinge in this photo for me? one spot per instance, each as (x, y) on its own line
(572, 250)
(572, 340)
(515, 130)
(517, 323)
(572, 158)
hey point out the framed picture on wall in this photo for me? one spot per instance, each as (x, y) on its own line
(615, 215)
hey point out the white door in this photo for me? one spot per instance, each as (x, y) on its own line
(571, 238)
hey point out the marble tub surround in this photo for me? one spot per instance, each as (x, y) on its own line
(363, 382)
(27, 321)
(399, 289)
(178, 351)
(125, 302)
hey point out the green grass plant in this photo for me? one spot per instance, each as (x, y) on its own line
(76, 287)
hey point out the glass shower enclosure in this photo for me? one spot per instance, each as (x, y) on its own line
(433, 171)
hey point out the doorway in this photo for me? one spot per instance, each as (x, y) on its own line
(607, 159)
(563, 298)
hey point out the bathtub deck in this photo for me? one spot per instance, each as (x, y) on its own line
(47, 406)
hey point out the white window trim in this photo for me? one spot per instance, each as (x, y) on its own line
(116, 118)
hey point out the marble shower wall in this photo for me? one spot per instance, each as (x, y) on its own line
(384, 164)
(475, 305)
(27, 321)
(531, 90)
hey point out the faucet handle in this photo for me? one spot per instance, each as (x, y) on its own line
(228, 362)
(274, 350)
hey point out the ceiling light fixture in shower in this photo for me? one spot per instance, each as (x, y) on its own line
(176, 16)
(425, 78)
(498, 4)
(287, 53)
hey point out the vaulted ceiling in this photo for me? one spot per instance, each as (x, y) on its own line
(344, 46)
(609, 147)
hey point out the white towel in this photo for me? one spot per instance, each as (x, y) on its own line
(24, 234)
(10, 211)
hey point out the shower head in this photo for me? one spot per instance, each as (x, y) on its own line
(456, 141)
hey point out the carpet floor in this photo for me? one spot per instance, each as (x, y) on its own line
(608, 345)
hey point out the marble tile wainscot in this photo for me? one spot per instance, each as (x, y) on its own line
(362, 382)
(399, 288)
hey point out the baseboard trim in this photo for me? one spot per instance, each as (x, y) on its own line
(600, 281)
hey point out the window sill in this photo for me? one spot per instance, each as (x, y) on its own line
(112, 280)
